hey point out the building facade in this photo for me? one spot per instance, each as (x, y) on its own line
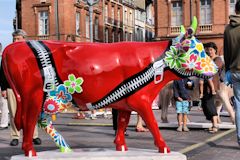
(128, 20)
(69, 20)
(140, 20)
(212, 17)
(66, 20)
(150, 20)
(113, 20)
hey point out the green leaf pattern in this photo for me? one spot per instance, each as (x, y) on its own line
(174, 58)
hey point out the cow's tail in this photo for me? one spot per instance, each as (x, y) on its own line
(18, 115)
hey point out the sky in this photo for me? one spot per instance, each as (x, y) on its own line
(7, 14)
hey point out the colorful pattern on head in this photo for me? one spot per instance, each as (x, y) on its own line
(190, 59)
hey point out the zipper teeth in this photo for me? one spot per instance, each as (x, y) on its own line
(126, 88)
(44, 57)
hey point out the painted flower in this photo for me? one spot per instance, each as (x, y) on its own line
(51, 106)
(192, 64)
(193, 43)
(207, 65)
(74, 84)
(61, 95)
(199, 47)
(174, 59)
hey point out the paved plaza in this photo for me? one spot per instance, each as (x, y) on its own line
(197, 144)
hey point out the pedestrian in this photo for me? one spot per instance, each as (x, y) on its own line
(232, 61)
(222, 96)
(18, 35)
(3, 105)
(182, 98)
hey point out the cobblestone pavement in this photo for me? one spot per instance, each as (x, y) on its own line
(99, 134)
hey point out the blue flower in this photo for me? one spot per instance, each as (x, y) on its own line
(61, 95)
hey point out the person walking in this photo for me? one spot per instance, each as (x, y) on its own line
(3, 105)
(18, 35)
(232, 61)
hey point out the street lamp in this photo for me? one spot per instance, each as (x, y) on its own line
(90, 4)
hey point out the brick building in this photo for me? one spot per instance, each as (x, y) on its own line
(212, 17)
(68, 20)
(42, 19)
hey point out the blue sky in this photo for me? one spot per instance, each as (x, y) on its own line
(7, 13)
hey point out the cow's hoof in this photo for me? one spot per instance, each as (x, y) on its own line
(65, 149)
(122, 148)
(164, 150)
(31, 153)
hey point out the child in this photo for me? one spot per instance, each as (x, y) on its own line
(207, 47)
(210, 82)
(181, 95)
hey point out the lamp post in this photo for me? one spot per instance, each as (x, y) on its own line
(90, 4)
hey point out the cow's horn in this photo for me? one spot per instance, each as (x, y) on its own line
(194, 24)
(182, 30)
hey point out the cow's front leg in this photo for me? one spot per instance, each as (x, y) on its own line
(46, 125)
(123, 120)
(149, 119)
(144, 109)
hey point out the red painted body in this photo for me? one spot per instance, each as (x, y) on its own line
(102, 66)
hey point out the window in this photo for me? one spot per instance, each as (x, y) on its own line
(96, 27)
(149, 14)
(78, 23)
(106, 13)
(126, 36)
(176, 13)
(43, 28)
(139, 34)
(130, 37)
(113, 36)
(130, 18)
(112, 14)
(106, 35)
(232, 7)
(119, 36)
(126, 16)
(87, 26)
(118, 17)
(205, 12)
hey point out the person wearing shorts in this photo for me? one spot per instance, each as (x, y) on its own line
(182, 97)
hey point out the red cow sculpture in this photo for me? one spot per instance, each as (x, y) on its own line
(46, 76)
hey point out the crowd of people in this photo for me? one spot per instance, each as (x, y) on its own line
(213, 91)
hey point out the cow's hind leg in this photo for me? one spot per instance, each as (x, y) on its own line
(46, 125)
(33, 108)
(123, 120)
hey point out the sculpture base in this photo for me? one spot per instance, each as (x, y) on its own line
(104, 154)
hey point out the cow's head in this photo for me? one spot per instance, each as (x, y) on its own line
(187, 55)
